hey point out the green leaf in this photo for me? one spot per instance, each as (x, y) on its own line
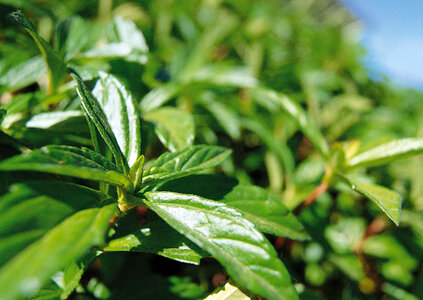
(184, 162)
(174, 127)
(97, 116)
(68, 161)
(387, 200)
(224, 75)
(23, 74)
(121, 113)
(3, 114)
(222, 231)
(28, 271)
(267, 212)
(158, 238)
(387, 153)
(159, 96)
(273, 100)
(50, 119)
(56, 67)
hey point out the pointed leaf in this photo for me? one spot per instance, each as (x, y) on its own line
(56, 67)
(273, 100)
(121, 113)
(184, 162)
(267, 212)
(387, 200)
(96, 114)
(174, 127)
(222, 231)
(68, 161)
(28, 271)
(50, 119)
(387, 153)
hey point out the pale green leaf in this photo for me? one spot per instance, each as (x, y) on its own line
(274, 100)
(23, 74)
(121, 113)
(174, 127)
(387, 200)
(159, 96)
(387, 153)
(68, 161)
(227, 292)
(50, 119)
(222, 231)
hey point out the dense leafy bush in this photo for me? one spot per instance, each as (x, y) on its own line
(150, 135)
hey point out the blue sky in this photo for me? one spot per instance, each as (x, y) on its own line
(393, 36)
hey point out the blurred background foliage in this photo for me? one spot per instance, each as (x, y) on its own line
(199, 60)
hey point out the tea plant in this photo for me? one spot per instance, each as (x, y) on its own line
(158, 152)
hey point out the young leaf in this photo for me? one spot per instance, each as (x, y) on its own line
(97, 116)
(267, 212)
(68, 161)
(184, 162)
(174, 127)
(121, 113)
(28, 271)
(56, 67)
(387, 200)
(387, 153)
(273, 100)
(222, 231)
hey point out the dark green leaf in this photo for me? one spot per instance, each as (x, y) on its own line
(222, 231)
(3, 113)
(121, 113)
(56, 68)
(96, 114)
(68, 161)
(27, 272)
(157, 237)
(184, 162)
(273, 100)
(387, 153)
(387, 200)
(174, 127)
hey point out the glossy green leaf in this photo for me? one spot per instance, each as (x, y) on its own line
(158, 238)
(387, 200)
(178, 164)
(121, 113)
(56, 68)
(222, 231)
(97, 116)
(387, 153)
(174, 127)
(267, 212)
(68, 161)
(273, 100)
(23, 74)
(68, 241)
